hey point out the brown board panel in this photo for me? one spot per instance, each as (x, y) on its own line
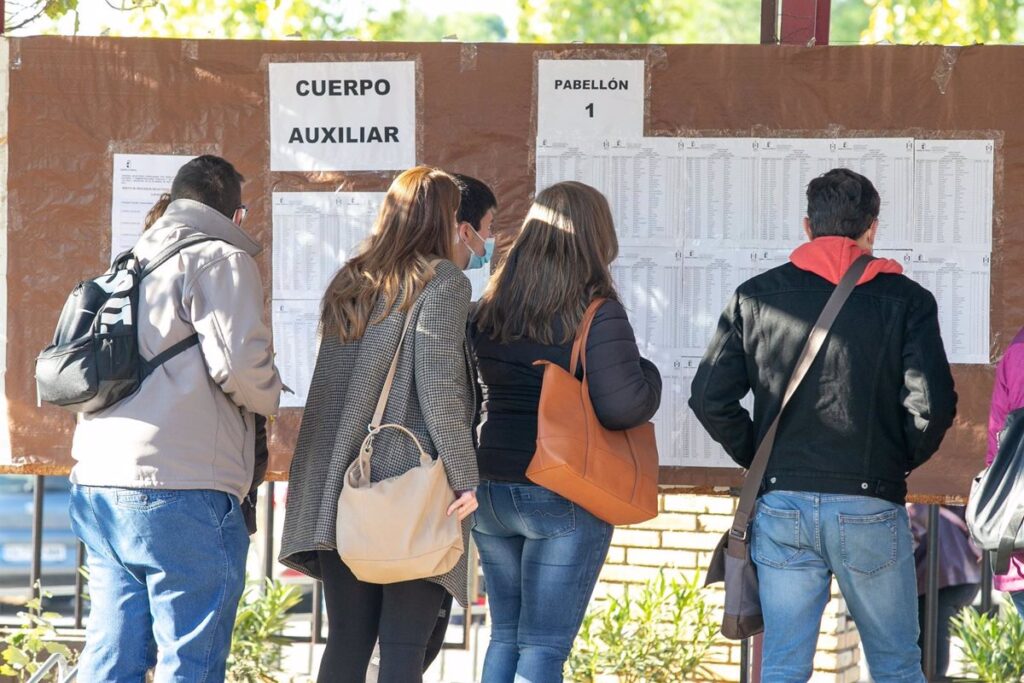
(75, 101)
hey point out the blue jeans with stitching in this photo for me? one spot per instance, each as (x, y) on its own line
(166, 571)
(800, 540)
(541, 556)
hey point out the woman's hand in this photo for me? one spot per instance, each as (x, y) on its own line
(464, 505)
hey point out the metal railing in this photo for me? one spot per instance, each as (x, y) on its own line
(316, 618)
(65, 673)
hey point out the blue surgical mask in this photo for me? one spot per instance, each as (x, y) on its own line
(475, 261)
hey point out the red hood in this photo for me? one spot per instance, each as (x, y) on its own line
(830, 257)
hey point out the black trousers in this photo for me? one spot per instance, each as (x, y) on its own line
(401, 615)
(436, 642)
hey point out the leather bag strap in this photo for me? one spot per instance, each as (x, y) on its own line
(755, 475)
(382, 402)
(579, 345)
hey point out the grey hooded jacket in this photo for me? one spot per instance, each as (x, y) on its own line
(191, 424)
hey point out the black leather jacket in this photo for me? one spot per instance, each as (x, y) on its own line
(874, 405)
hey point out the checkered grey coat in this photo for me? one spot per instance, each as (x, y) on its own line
(431, 396)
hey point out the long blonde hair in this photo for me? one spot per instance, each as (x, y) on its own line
(557, 265)
(416, 223)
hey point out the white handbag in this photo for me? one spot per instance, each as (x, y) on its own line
(397, 529)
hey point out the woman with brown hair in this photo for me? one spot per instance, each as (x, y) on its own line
(541, 554)
(403, 268)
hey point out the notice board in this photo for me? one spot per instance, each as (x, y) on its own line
(73, 103)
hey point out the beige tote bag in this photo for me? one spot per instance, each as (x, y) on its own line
(397, 529)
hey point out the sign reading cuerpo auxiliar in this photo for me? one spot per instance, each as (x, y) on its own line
(590, 97)
(342, 116)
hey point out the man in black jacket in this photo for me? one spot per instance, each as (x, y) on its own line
(874, 405)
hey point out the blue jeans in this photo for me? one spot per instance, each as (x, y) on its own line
(801, 540)
(541, 556)
(1018, 601)
(166, 571)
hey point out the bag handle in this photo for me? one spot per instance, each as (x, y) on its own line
(361, 471)
(366, 450)
(755, 474)
(382, 402)
(579, 346)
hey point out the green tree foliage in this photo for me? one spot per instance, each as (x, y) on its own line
(640, 21)
(960, 22)
(589, 21)
(849, 20)
(266, 19)
(411, 25)
(254, 19)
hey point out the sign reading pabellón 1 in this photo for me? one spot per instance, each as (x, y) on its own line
(342, 116)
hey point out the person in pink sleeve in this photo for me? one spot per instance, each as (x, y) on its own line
(1007, 396)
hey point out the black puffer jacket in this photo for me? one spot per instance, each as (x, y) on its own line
(625, 389)
(874, 405)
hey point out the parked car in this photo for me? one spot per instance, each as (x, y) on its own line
(59, 544)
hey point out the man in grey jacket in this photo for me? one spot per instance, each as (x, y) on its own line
(160, 475)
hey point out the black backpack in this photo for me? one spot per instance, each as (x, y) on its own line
(94, 359)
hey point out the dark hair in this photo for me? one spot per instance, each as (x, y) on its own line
(477, 199)
(557, 265)
(209, 180)
(841, 203)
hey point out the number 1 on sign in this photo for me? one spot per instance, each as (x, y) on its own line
(590, 109)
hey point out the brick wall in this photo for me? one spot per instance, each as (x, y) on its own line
(683, 536)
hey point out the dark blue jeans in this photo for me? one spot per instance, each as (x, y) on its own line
(541, 557)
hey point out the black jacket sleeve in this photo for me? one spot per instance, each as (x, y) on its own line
(719, 385)
(928, 395)
(625, 389)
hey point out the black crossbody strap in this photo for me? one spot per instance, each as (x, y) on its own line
(752, 483)
(148, 366)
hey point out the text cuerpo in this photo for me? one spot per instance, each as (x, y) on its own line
(343, 87)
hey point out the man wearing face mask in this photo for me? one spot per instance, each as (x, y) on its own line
(473, 255)
(476, 244)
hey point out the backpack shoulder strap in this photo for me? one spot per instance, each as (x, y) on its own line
(148, 366)
(173, 249)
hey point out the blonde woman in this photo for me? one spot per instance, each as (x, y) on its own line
(541, 554)
(363, 312)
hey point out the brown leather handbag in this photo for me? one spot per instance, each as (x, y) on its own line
(611, 474)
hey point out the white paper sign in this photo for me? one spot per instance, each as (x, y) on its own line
(585, 97)
(315, 233)
(296, 324)
(139, 180)
(953, 193)
(342, 116)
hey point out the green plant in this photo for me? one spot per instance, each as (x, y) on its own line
(27, 647)
(993, 646)
(257, 643)
(656, 633)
